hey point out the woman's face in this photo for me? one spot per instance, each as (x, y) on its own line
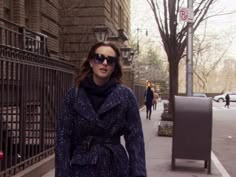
(103, 64)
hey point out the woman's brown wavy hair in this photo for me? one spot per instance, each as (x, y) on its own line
(87, 70)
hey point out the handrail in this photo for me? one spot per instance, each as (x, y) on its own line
(10, 22)
(17, 25)
(17, 36)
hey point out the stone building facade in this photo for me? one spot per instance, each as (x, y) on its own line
(80, 18)
(40, 16)
(70, 24)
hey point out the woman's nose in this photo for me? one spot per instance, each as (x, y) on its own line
(105, 61)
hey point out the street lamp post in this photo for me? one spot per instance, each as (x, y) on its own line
(101, 32)
(189, 69)
(127, 54)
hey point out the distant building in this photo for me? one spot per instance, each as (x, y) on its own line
(229, 64)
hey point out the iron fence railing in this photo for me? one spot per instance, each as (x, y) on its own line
(139, 93)
(18, 37)
(31, 90)
(32, 87)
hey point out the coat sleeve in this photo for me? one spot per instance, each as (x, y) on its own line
(63, 137)
(134, 140)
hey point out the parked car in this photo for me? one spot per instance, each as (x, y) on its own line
(199, 95)
(221, 98)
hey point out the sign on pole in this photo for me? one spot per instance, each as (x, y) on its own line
(186, 14)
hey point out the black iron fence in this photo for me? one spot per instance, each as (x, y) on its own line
(13, 35)
(32, 87)
(139, 93)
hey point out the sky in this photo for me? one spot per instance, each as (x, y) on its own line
(221, 26)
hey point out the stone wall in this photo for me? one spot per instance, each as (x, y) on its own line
(42, 17)
(79, 19)
(69, 24)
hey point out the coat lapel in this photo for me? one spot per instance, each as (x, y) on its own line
(111, 101)
(83, 106)
(85, 109)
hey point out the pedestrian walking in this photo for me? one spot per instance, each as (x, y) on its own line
(148, 100)
(155, 100)
(96, 113)
(227, 99)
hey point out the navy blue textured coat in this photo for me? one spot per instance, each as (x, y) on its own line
(148, 96)
(88, 143)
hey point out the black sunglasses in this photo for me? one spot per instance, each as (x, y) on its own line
(99, 58)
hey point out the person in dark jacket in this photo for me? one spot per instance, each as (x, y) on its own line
(97, 112)
(148, 96)
(227, 99)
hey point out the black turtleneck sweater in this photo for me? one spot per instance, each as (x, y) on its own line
(97, 94)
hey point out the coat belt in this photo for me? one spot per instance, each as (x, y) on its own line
(90, 141)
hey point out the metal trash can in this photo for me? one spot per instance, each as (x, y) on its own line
(192, 130)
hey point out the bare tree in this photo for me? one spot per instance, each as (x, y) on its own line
(227, 73)
(155, 71)
(174, 35)
(207, 56)
(150, 66)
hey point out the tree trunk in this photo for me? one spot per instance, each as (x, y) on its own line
(173, 82)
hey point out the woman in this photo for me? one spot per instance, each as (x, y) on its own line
(96, 114)
(148, 94)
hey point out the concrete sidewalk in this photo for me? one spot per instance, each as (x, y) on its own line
(159, 150)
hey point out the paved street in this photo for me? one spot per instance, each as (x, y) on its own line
(224, 135)
(158, 154)
(220, 106)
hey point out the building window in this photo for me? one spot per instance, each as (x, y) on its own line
(120, 16)
(7, 4)
(27, 13)
(127, 24)
(112, 9)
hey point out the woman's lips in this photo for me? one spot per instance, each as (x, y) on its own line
(103, 69)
